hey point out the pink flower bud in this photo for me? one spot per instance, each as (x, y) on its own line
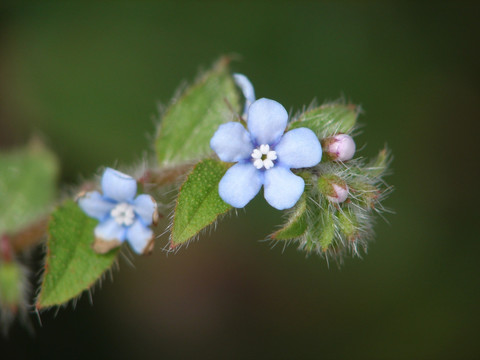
(339, 193)
(334, 188)
(340, 147)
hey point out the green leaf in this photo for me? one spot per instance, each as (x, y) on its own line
(27, 186)
(190, 122)
(198, 203)
(71, 264)
(296, 224)
(328, 119)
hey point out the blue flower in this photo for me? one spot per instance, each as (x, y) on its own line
(264, 156)
(122, 216)
(247, 88)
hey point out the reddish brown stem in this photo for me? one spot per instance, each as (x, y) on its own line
(169, 176)
(6, 253)
(29, 236)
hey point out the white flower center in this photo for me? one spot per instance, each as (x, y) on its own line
(123, 214)
(263, 157)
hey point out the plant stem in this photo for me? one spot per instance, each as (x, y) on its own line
(29, 236)
(164, 177)
(6, 253)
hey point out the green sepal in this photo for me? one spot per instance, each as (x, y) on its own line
(325, 184)
(27, 186)
(327, 231)
(198, 203)
(349, 224)
(328, 119)
(72, 266)
(365, 194)
(190, 121)
(320, 232)
(379, 165)
(296, 224)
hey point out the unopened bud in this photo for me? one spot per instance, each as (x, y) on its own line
(334, 188)
(340, 147)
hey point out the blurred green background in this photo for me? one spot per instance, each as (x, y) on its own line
(88, 77)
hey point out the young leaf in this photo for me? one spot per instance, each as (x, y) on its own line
(198, 203)
(296, 224)
(71, 264)
(328, 119)
(190, 122)
(27, 186)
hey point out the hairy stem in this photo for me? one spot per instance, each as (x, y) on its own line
(6, 253)
(164, 177)
(29, 236)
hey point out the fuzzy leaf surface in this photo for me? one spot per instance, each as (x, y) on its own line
(27, 186)
(328, 119)
(71, 264)
(198, 203)
(190, 122)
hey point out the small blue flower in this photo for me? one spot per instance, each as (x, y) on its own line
(264, 156)
(122, 216)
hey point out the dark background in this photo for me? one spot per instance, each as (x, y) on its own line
(87, 77)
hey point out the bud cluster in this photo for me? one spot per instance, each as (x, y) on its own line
(343, 194)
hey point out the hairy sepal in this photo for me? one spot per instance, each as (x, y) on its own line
(328, 119)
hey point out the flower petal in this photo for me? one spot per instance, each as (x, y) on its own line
(94, 205)
(146, 208)
(118, 186)
(282, 188)
(232, 142)
(247, 89)
(110, 230)
(299, 148)
(240, 184)
(139, 237)
(101, 246)
(267, 120)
